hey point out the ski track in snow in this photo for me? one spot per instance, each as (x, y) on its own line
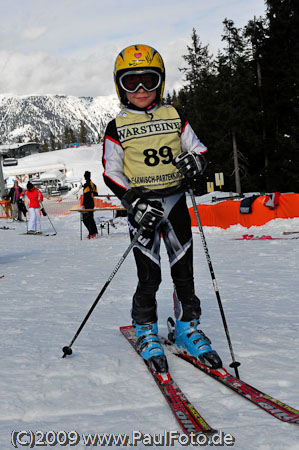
(50, 284)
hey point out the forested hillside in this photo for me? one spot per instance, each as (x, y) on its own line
(243, 103)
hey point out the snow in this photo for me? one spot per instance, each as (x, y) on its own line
(24, 116)
(52, 175)
(50, 283)
(49, 286)
(74, 161)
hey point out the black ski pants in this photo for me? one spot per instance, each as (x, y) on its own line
(90, 224)
(175, 229)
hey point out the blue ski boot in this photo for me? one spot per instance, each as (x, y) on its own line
(150, 347)
(189, 339)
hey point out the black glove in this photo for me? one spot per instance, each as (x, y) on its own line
(147, 213)
(194, 183)
(190, 164)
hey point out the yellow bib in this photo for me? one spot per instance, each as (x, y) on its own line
(150, 143)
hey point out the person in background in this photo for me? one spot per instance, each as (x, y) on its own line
(34, 196)
(151, 154)
(14, 197)
(6, 204)
(22, 208)
(89, 192)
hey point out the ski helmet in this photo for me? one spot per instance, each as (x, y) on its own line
(138, 58)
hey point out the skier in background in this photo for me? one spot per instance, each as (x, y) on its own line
(34, 196)
(14, 196)
(89, 192)
(150, 151)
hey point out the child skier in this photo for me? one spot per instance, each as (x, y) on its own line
(150, 150)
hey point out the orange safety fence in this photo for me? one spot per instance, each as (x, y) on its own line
(59, 206)
(227, 213)
(5, 209)
(98, 203)
(223, 214)
(53, 205)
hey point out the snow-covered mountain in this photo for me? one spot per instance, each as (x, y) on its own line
(28, 116)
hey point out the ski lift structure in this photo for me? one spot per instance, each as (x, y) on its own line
(5, 162)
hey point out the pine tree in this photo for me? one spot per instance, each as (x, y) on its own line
(199, 63)
(69, 137)
(229, 69)
(82, 133)
(196, 99)
(237, 104)
(281, 93)
(168, 99)
(45, 146)
(73, 139)
(66, 137)
(52, 142)
(256, 33)
(244, 105)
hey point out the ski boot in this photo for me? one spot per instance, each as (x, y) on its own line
(192, 341)
(149, 346)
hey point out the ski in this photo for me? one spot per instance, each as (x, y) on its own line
(276, 408)
(37, 234)
(252, 237)
(185, 413)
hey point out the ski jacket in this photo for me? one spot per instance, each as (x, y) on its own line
(34, 196)
(139, 148)
(89, 191)
(13, 194)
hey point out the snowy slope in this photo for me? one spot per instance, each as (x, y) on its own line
(50, 284)
(73, 160)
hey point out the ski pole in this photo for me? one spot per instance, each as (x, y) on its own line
(234, 364)
(44, 213)
(67, 350)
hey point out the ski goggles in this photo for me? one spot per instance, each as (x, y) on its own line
(132, 81)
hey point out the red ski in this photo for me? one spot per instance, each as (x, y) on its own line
(185, 413)
(276, 408)
(252, 237)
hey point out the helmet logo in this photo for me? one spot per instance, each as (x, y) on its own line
(136, 62)
(137, 55)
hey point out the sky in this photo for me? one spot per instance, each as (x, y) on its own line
(68, 47)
